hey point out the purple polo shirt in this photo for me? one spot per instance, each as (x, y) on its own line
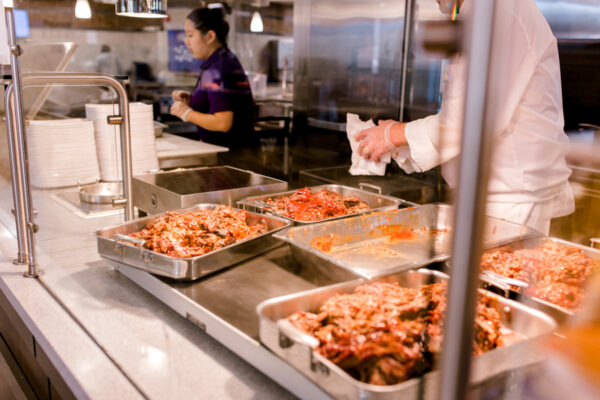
(223, 86)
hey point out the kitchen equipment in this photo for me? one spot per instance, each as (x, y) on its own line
(387, 242)
(100, 192)
(296, 348)
(158, 128)
(158, 192)
(114, 244)
(376, 201)
(514, 288)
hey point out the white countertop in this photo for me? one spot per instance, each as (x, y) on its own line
(173, 146)
(116, 332)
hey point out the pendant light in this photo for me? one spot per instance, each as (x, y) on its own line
(83, 10)
(256, 23)
(141, 8)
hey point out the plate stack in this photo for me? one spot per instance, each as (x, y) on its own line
(108, 139)
(62, 153)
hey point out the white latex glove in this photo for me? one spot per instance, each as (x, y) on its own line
(181, 95)
(181, 110)
(373, 144)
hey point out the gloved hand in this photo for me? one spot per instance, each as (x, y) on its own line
(181, 110)
(181, 95)
(373, 143)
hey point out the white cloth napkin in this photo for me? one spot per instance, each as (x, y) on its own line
(360, 165)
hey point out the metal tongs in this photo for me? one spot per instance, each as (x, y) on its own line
(263, 204)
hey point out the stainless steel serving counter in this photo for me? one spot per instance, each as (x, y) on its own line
(97, 326)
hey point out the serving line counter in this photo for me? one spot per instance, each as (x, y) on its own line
(176, 151)
(106, 336)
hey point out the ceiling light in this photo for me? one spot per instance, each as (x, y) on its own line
(256, 24)
(83, 10)
(142, 8)
(7, 3)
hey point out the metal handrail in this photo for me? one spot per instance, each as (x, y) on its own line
(19, 145)
(19, 165)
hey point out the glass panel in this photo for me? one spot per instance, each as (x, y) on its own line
(354, 59)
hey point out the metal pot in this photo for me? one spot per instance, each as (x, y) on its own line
(101, 192)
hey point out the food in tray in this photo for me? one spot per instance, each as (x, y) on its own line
(554, 272)
(304, 205)
(323, 243)
(384, 334)
(195, 233)
(397, 232)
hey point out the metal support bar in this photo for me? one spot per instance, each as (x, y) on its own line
(17, 186)
(408, 30)
(470, 207)
(20, 168)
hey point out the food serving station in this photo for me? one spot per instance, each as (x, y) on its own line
(211, 281)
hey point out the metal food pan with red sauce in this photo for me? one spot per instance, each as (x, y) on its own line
(322, 203)
(116, 244)
(548, 273)
(382, 243)
(525, 326)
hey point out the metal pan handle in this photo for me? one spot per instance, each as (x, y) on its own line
(289, 334)
(595, 243)
(128, 239)
(364, 185)
(492, 282)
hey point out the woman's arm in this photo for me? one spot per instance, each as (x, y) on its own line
(221, 121)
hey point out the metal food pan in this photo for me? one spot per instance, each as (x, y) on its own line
(296, 347)
(511, 289)
(375, 201)
(115, 245)
(161, 191)
(359, 246)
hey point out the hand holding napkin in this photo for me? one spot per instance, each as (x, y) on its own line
(360, 165)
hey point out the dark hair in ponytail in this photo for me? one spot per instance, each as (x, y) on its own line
(212, 19)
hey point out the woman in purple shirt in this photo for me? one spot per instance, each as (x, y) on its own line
(221, 105)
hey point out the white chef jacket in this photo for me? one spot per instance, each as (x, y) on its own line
(529, 175)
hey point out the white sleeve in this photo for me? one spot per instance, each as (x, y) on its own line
(420, 154)
(436, 139)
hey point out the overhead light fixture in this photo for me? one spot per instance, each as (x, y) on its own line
(7, 3)
(142, 8)
(256, 24)
(83, 10)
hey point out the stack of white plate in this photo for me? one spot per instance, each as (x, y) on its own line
(108, 139)
(61, 153)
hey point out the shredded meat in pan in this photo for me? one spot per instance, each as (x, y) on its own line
(384, 334)
(554, 272)
(307, 206)
(196, 233)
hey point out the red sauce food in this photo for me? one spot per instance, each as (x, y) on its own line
(397, 232)
(307, 206)
(384, 334)
(323, 243)
(554, 272)
(196, 233)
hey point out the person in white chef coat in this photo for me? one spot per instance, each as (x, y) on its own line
(529, 175)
